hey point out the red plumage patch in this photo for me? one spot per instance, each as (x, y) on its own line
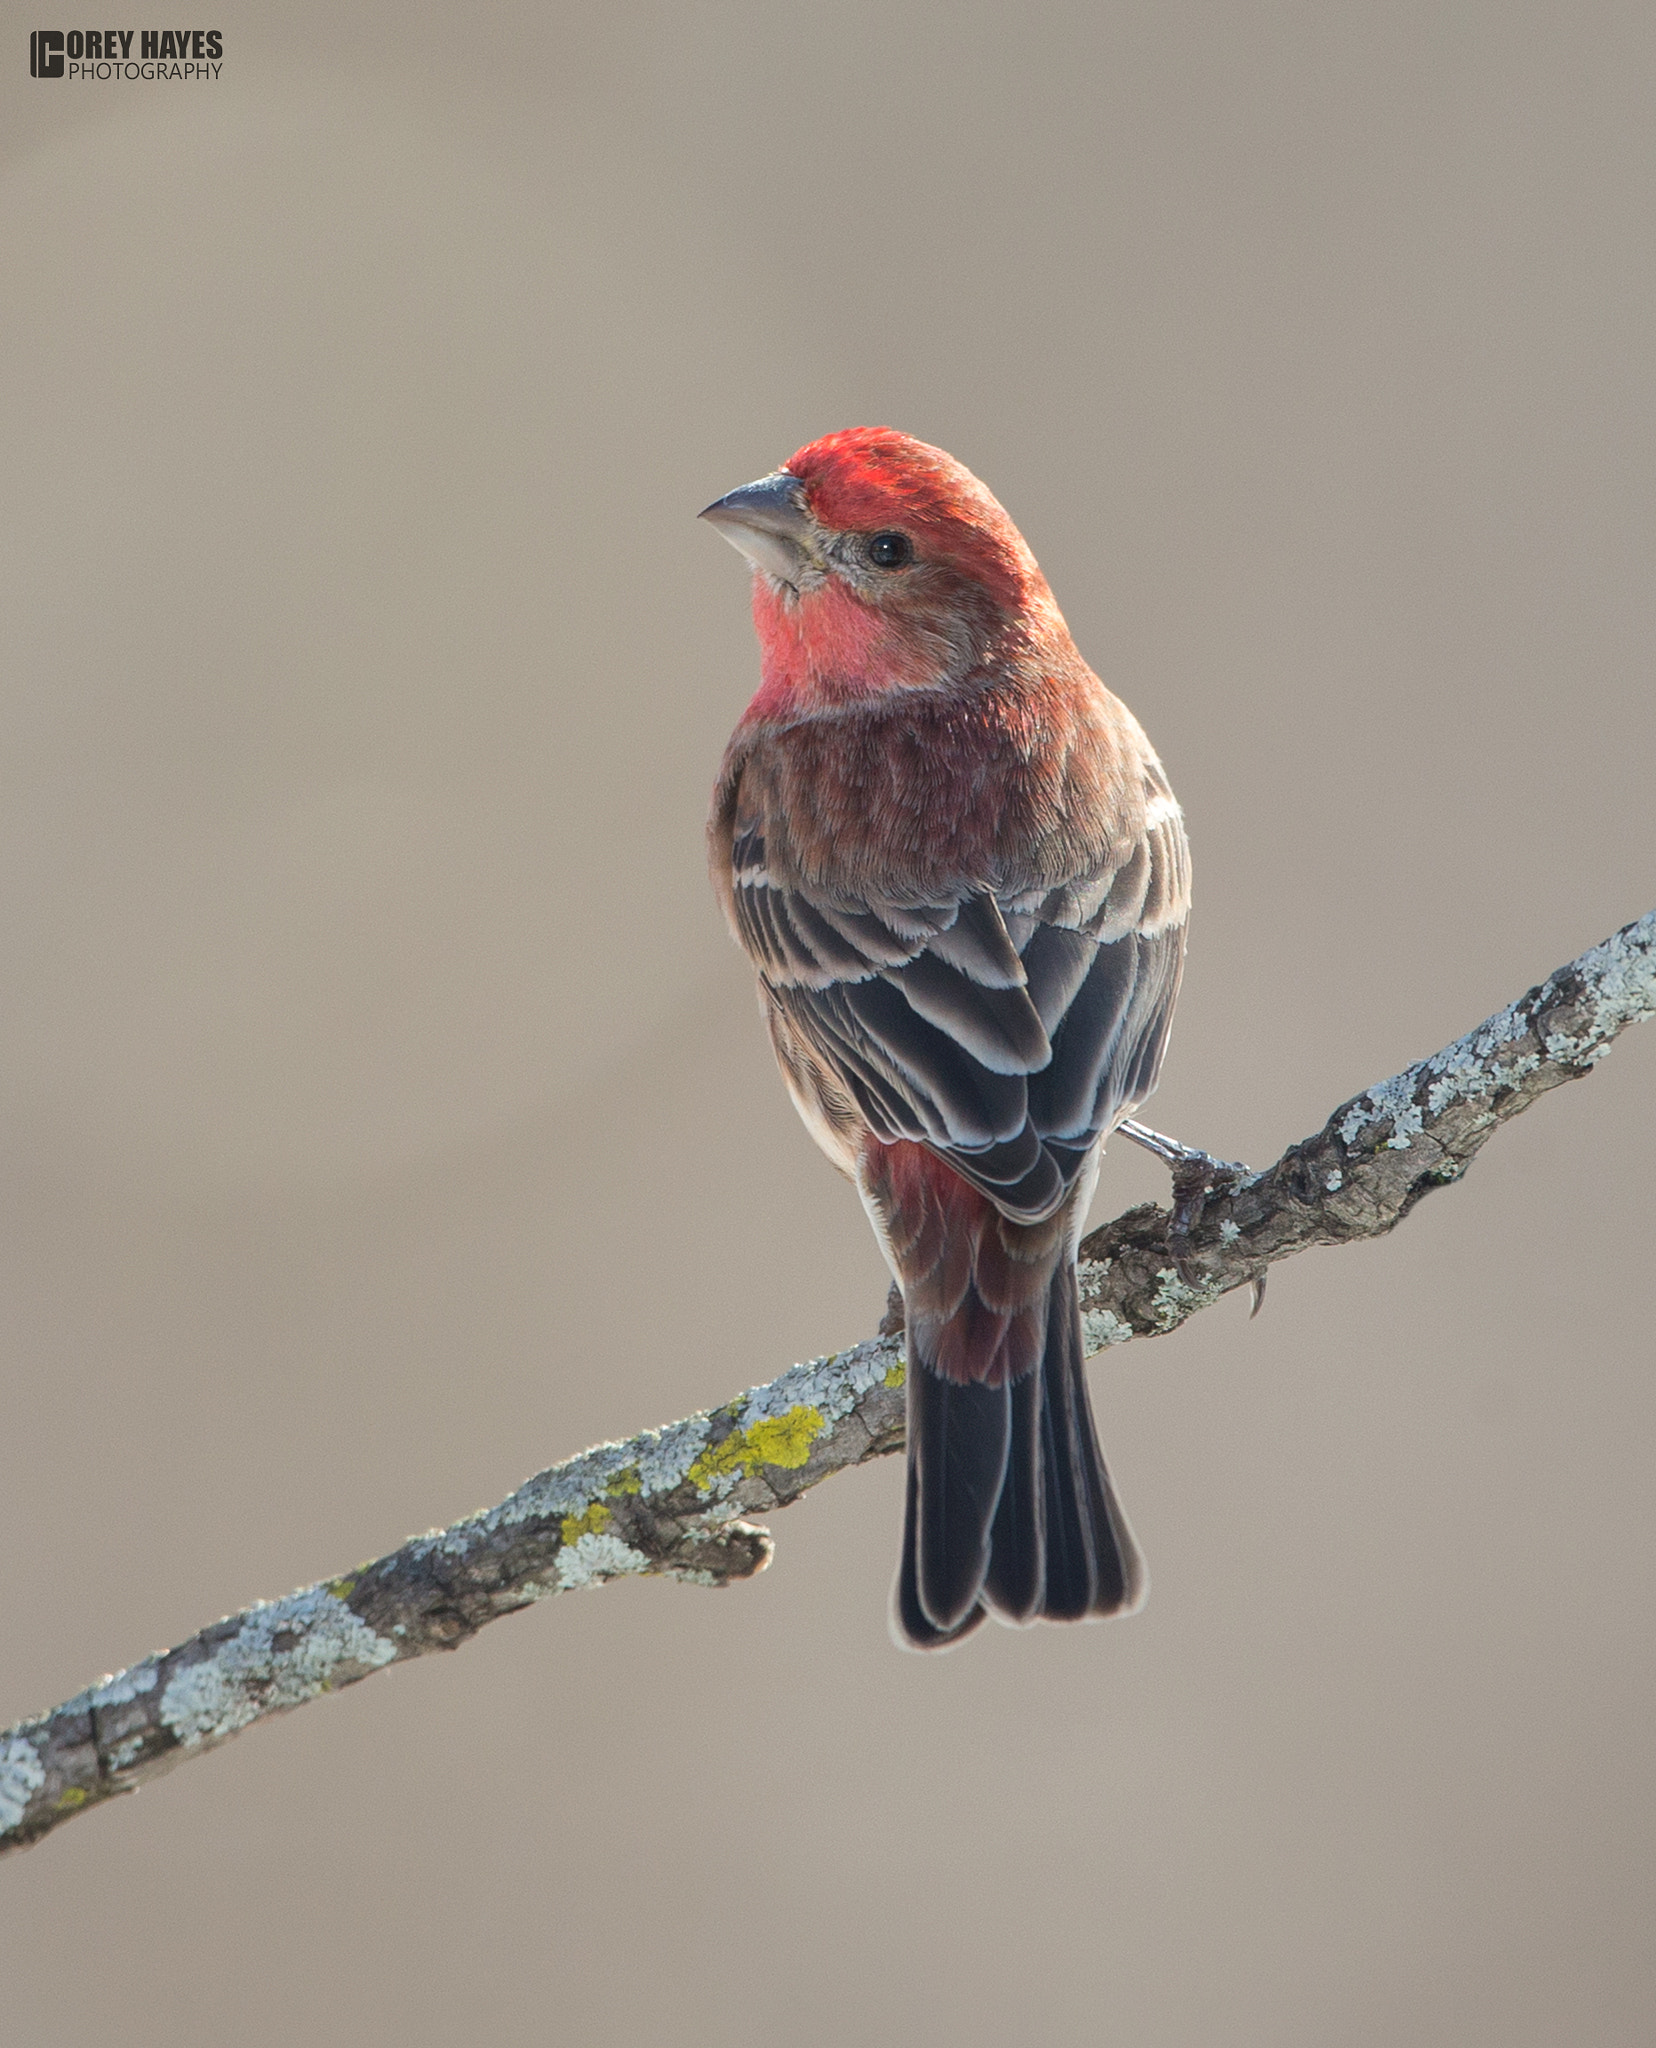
(976, 1281)
(865, 478)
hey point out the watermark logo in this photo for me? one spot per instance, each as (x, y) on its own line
(106, 53)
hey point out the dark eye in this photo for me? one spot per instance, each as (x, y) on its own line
(890, 550)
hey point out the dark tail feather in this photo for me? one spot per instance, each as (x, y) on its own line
(1093, 1567)
(1016, 1579)
(1009, 1505)
(959, 1436)
(914, 1625)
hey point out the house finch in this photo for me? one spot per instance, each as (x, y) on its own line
(955, 861)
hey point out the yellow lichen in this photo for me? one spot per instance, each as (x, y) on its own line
(896, 1375)
(786, 1439)
(342, 1589)
(774, 1440)
(593, 1523)
(71, 1797)
(628, 1480)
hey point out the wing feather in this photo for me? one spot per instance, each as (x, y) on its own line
(1006, 1031)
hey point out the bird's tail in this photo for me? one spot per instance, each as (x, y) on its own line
(1010, 1509)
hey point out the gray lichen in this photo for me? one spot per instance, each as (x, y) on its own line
(283, 1653)
(21, 1775)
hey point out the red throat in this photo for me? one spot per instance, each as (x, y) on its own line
(827, 648)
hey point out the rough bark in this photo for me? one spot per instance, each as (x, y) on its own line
(674, 1501)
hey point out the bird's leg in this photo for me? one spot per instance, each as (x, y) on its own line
(1196, 1175)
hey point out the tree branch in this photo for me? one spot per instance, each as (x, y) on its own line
(672, 1501)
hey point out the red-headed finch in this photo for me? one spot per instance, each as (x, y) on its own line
(956, 863)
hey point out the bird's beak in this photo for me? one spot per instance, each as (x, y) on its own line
(768, 522)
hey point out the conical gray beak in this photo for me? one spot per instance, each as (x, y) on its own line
(767, 521)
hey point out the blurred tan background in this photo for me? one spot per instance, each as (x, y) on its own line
(384, 1113)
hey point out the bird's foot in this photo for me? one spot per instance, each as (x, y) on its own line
(1196, 1176)
(891, 1323)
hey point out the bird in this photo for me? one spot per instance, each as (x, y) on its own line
(958, 867)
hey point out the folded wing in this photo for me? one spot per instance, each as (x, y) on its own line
(1003, 1029)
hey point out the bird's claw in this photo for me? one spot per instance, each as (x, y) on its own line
(1196, 1176)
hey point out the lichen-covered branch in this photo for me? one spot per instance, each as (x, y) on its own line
(1362, 1173)
(674, 1501)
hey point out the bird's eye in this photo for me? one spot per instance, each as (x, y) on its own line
(890, 550)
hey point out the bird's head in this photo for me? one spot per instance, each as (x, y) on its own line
(880, 564)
